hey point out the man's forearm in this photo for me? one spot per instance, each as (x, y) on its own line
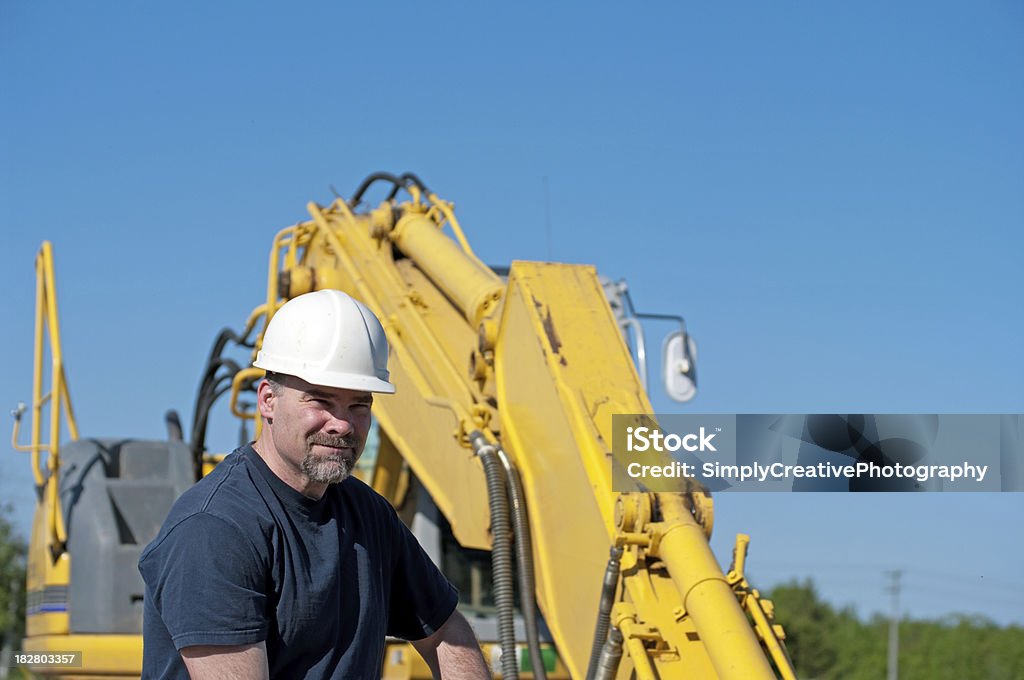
(211, 662)
(453, 652)
(458, 662)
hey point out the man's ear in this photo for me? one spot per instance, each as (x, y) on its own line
(265, 399)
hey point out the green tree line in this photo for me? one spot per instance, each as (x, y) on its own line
(830, 644)
(12, 582)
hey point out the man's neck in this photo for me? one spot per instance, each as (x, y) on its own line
(285, 471)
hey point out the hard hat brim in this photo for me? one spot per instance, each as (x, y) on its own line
(346, 381)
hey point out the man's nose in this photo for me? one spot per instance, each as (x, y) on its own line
(339, 423)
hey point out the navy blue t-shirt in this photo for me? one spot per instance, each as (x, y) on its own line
(244, 558)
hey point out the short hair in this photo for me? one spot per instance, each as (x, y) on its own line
(274, 380)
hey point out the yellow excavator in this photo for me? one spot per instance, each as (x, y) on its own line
(496, 450)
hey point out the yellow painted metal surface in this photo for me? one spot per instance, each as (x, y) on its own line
(45, 576)
(403, 662)
(210, 461)
(760, 609)
(473, 286)
(708, 599)
(103, 656)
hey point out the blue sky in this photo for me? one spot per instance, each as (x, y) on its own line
(831, 195)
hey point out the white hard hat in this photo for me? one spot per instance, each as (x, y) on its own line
(330, 339)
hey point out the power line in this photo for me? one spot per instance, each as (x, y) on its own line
(979, 580)
(971, 596)
(849, 577)
(817, 569)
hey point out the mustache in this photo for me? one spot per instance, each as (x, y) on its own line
(334, 441)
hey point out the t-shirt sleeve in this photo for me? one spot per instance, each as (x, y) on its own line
(422, 599)
(207, 584)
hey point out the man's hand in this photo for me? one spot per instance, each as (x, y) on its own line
(453, 652)
(211, 662)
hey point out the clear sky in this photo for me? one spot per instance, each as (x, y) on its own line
(831, 193)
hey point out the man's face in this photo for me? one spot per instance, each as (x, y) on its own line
(318, 431)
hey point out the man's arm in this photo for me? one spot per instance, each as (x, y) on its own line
(453, 652)
(210, 662)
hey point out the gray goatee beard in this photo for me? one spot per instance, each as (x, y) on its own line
(332, 468)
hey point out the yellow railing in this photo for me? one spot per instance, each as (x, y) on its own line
(58, 397)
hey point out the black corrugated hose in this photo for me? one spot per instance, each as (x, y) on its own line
(524, 560)
(501, 554)
(608, 588)
(608, 664)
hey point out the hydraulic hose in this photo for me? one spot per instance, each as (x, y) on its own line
(370, 179)
(412, 177)
(408, 178)
(501, 554)
(524, 560)
(208, 393)
(173, 422)
(611, 655)
(211, 388)
(604, 611)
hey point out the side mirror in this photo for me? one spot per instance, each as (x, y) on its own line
(679, 364)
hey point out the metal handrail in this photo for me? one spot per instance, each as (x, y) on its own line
(58, 399)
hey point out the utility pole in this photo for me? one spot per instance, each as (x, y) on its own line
(894, 625)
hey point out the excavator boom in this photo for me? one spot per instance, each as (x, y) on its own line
(502, 423)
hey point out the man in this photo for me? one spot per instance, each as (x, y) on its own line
(279, 564)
